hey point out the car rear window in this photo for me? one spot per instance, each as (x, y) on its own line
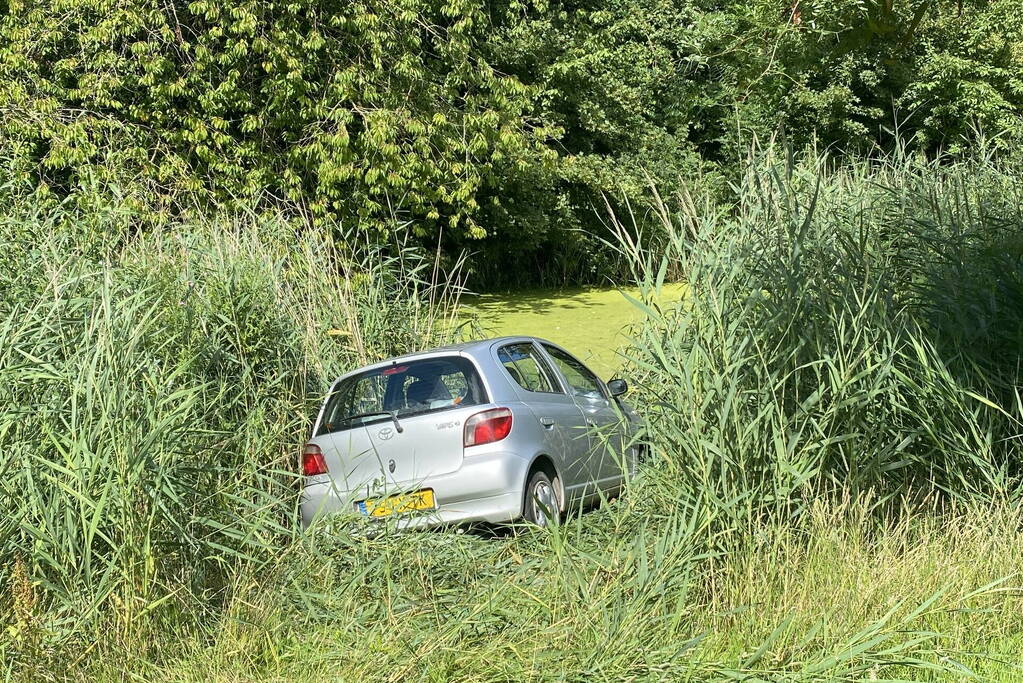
(403, 389)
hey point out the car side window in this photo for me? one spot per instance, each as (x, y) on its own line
(526, 367)
(582, 381)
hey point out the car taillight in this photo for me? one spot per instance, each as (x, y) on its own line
(312, 460)
(487, 427)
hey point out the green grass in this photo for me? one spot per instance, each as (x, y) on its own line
(832, 492)
(615, 595)
(591, 322)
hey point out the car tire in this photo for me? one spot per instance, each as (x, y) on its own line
(541, 505)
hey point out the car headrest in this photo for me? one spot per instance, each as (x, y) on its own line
(426, 390)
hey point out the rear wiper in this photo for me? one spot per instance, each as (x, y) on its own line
(390, 413)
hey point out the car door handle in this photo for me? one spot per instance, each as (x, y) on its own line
(591, 423)
(547, 421)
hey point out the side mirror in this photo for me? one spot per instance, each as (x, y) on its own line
(617, 387)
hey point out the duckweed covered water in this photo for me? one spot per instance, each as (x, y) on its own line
(590, 322)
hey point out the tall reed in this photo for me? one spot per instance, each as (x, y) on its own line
(848, 327)
(155, 389)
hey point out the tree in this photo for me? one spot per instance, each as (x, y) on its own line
(369, 111)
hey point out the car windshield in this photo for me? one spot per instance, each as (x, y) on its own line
(401, 390)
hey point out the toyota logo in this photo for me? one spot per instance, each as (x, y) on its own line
(385, 433)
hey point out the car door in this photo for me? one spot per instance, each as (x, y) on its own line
(604, 422)
(562, 424)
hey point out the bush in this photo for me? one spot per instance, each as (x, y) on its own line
(368, 113)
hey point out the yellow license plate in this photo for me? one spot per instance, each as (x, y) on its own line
(396, 505)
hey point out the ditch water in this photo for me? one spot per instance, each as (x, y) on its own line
(590, 322)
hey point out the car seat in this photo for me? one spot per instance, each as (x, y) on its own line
(426, 389)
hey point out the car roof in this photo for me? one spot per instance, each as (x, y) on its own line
(467, 348)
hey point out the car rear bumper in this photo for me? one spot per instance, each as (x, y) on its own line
(487, 488)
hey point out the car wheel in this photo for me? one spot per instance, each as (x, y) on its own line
(542, 506)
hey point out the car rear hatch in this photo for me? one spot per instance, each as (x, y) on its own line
(391, 428)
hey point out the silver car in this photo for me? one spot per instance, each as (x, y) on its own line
(493, 431)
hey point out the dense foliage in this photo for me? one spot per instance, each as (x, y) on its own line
(374, 111)
(503, 120)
